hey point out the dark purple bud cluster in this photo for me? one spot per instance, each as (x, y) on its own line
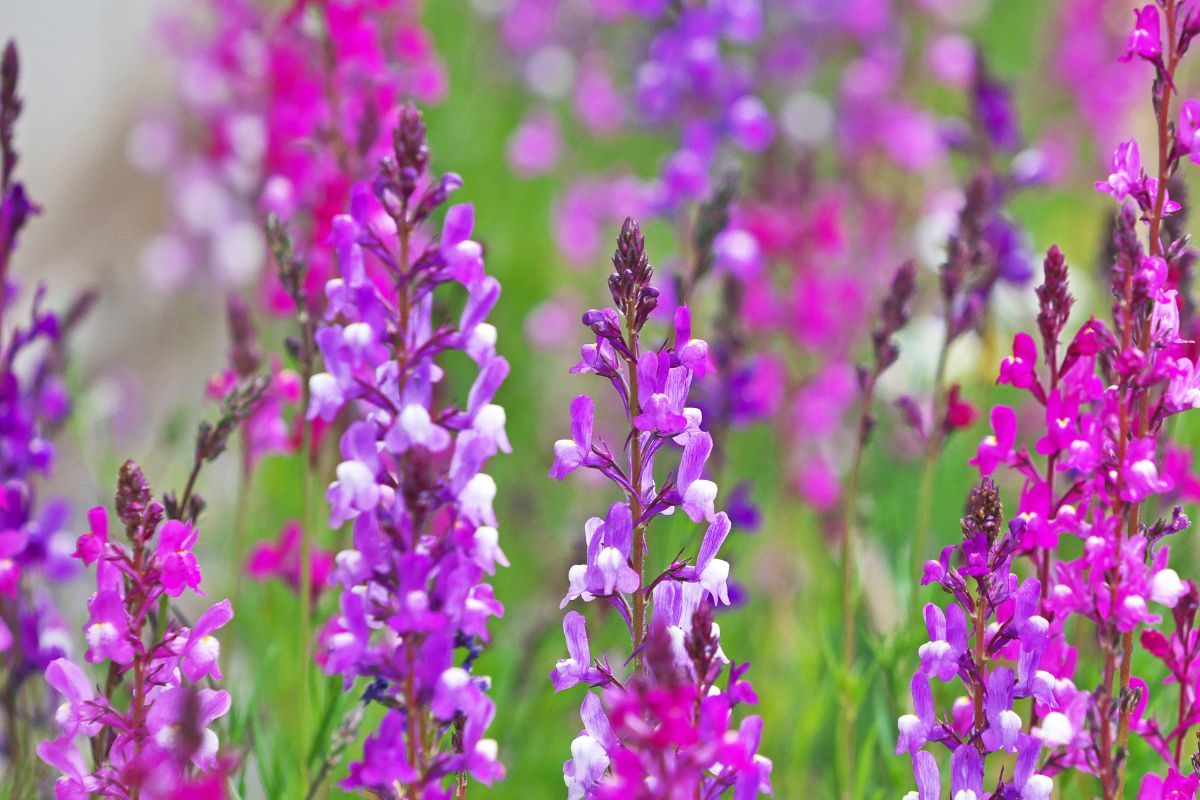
(629, 283)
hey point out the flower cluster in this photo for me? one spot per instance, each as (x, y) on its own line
(283, 110)
(667, 729)
(34, 403)
(1095, 473)
(413, 588)
(992, 640)
(149, 726)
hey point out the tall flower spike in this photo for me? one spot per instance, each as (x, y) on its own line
(34, 406)
(990, 641)
(1094, 474)
(149, 730)
(657, 726)
(415, 603)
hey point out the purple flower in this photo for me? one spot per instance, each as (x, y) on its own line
(699, 495)
(692, 353)
(947, 641)
(413, 589)
(668, 723)
(202, 653)
(571, 454)
(577, 667)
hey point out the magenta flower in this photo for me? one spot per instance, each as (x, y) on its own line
(1126, 177)
(75, 783)
(281, 559)
(1174, 787)
(1019, 370)
(76, 714)
(90, 545)
(1145, 41)
(997, 447)
(150, 729)
(179, 567)
(1189, 129)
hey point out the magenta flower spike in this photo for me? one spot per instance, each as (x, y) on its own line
(415, 604)
(1095, 471)
(148, 731)
(669, 722)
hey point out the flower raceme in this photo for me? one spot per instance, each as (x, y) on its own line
(664, 731)
(34, 404)
(158, 743)
(413, 586)
(1096, 472)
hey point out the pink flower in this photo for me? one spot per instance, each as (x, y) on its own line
(281, 559)
(177, 563)
(107, 629)
(534, 147)
(1126, 176)
(90, 545)
(1019, 370)
(1145, 40)
(1174, 787)
(996, 448)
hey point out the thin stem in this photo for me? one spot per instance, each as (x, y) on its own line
(933, 446)
(849, 594)
(635, 498)
(980, 621)
(241, 519)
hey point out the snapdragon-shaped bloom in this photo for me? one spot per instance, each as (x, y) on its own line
(158, 743)
(281, 108)
(415, 604)
(991, 641)
(667, 730)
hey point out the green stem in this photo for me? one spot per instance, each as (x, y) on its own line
(933, 448)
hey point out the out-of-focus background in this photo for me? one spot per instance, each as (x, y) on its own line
(142, 360)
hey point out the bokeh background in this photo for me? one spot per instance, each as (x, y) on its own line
(142, 360)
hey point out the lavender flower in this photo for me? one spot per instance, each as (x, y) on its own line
(665, 732)
(411, 480)
(991, 640)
